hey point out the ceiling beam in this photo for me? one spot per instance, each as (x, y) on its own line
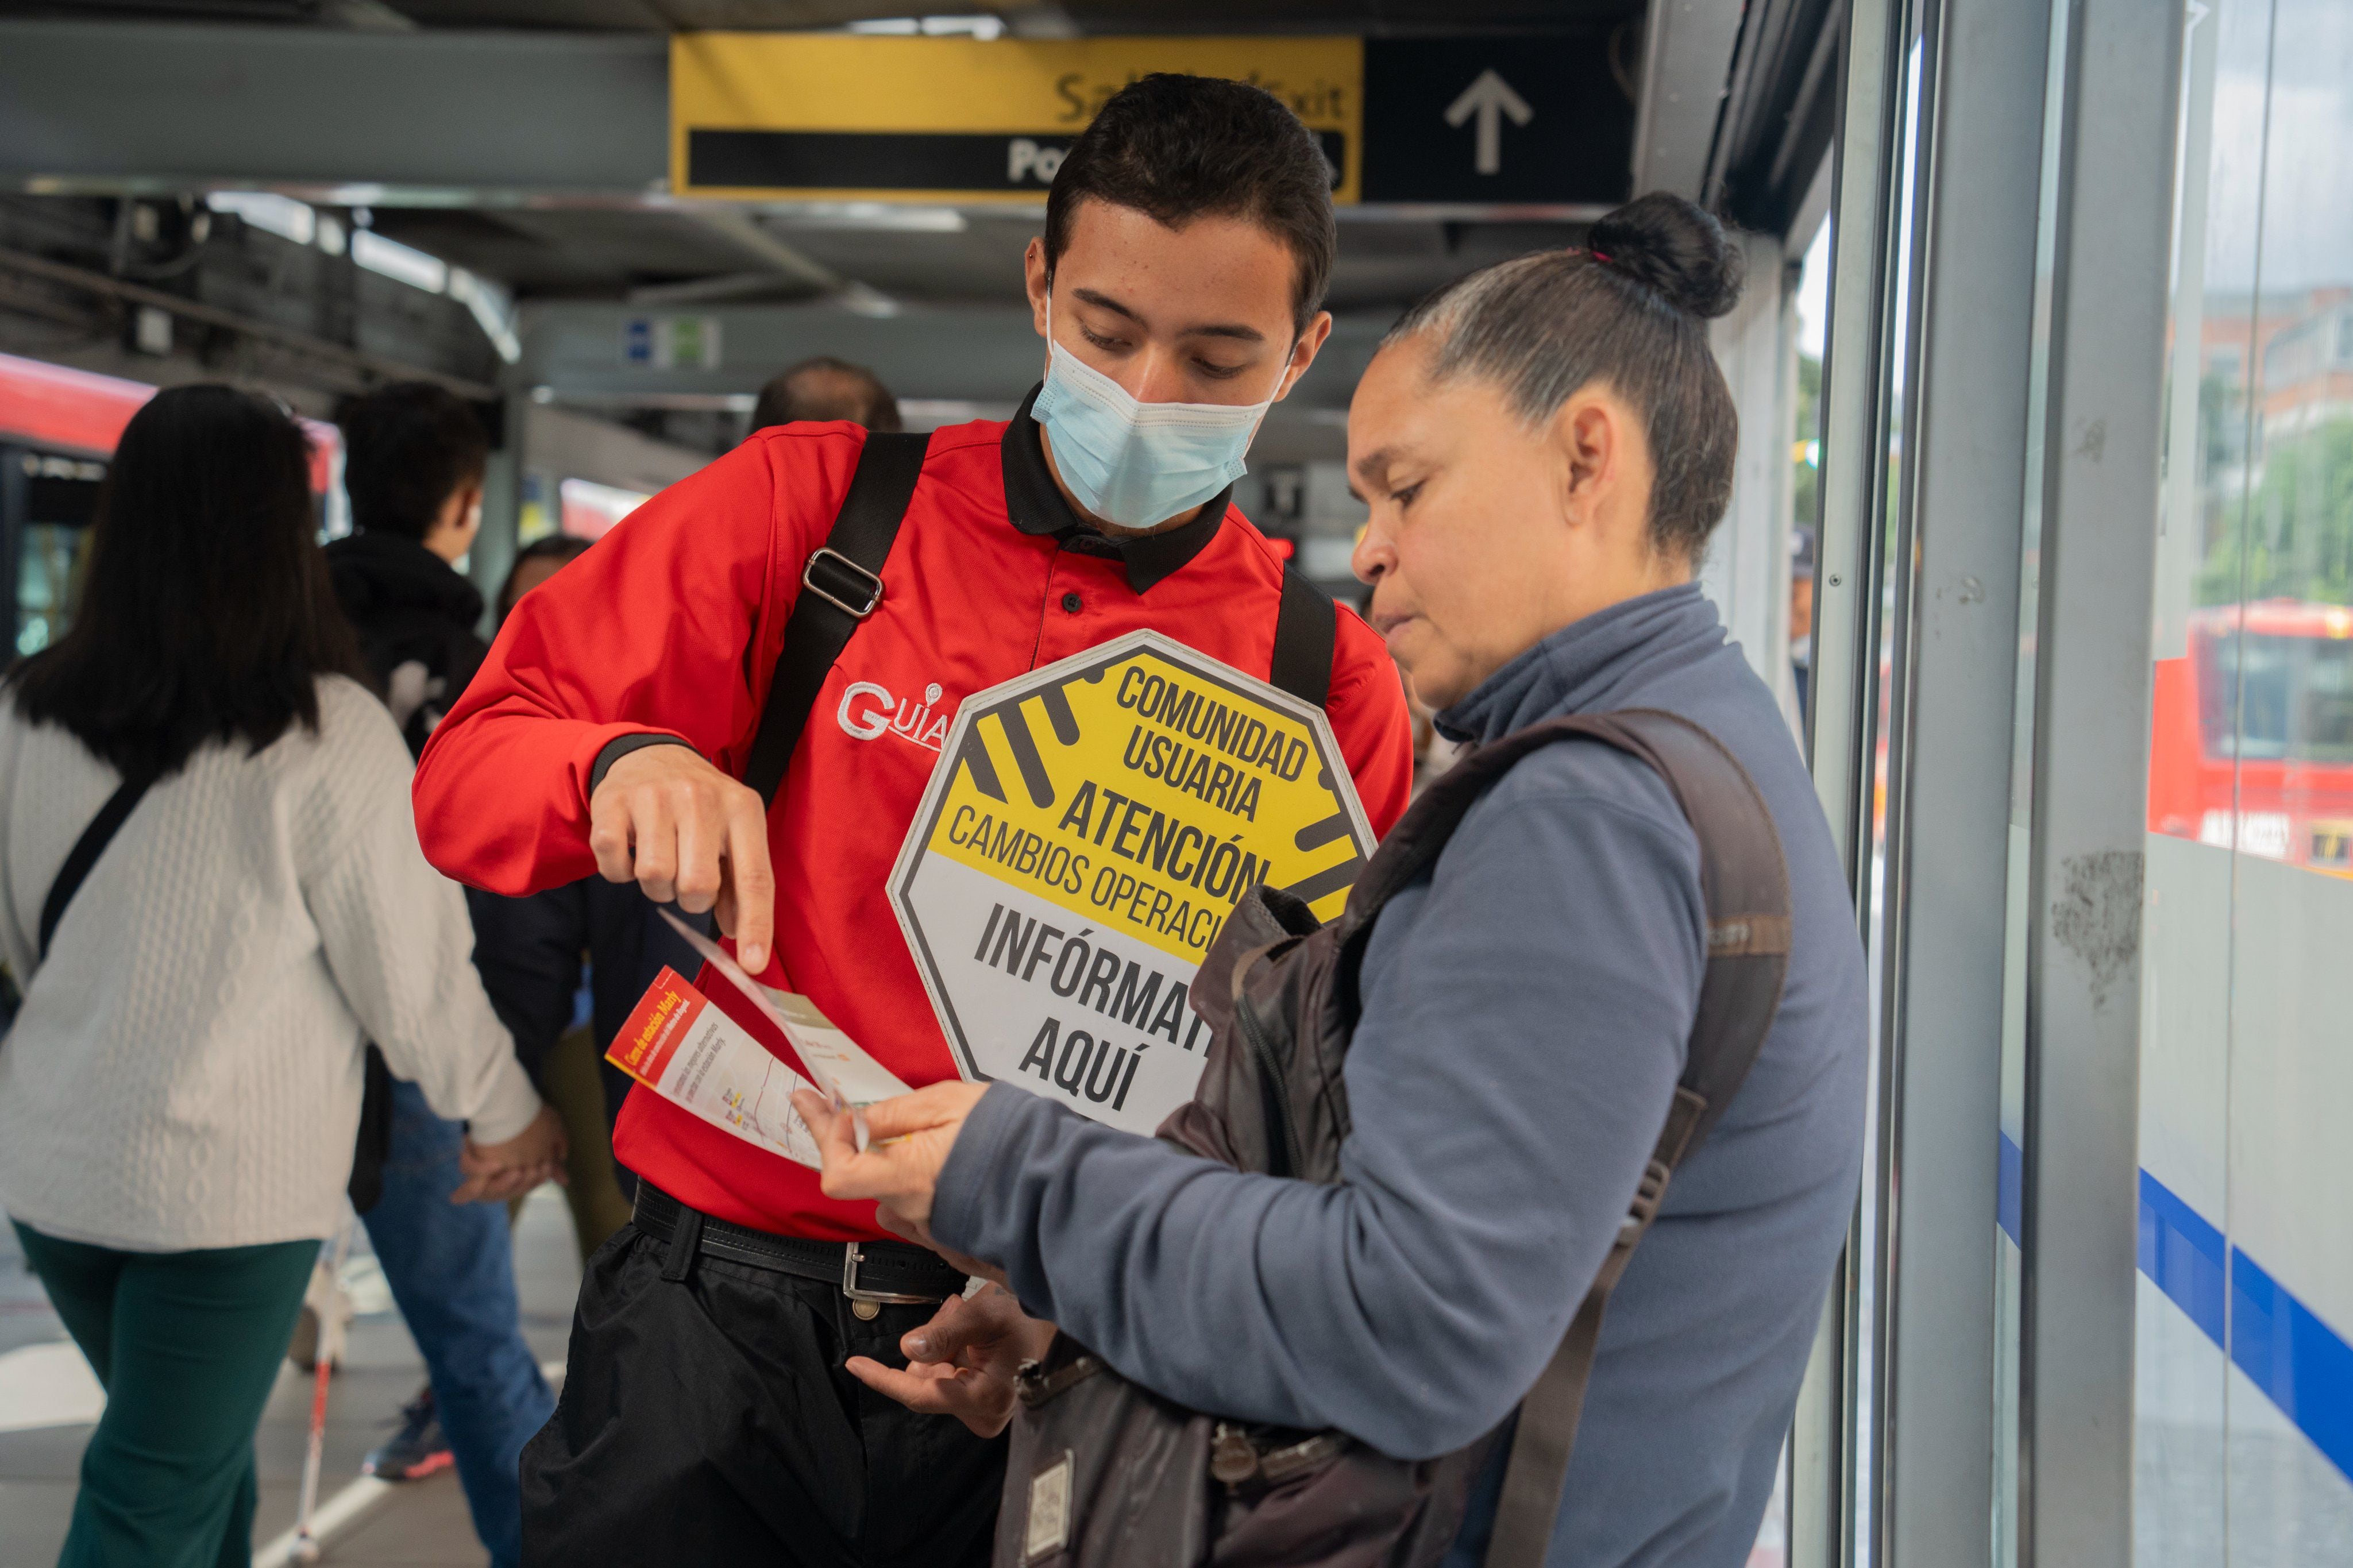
(745, 232)
(359, 118)
(1687, 49)
(574, 349)
(367, 368)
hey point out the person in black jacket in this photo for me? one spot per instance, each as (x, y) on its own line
(413, 463)
(534, 953)
(414, 458)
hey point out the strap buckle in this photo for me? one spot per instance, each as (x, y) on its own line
(851, 1256)
(1645, 1207)
(872, 584)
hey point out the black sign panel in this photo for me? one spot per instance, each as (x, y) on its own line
(894, 161)
(1536, 119)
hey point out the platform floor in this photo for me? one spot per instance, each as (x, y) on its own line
(419, 1524)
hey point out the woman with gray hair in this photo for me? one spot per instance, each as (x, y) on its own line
(1545, 447)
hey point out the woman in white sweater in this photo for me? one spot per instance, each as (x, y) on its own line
(180, 1091)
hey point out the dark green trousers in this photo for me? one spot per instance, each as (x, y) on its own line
(187, 1346)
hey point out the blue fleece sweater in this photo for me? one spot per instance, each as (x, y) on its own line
(1525, 1014)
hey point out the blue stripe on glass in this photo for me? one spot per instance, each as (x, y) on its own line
(2010, 1203)
(2284, 1347)
(2182, 1254)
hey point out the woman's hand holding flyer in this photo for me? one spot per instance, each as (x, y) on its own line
(901, 1168)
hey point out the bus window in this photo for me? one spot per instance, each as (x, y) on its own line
(52, 544)
(2296, 698)
(2328, 718)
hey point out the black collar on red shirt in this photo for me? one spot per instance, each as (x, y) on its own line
(1036, 505)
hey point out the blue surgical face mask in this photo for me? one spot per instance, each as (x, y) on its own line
(1133, 463)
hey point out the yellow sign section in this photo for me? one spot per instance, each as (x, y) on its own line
(1089, 827)
(795, 115)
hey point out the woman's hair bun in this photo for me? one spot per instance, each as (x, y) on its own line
(1675, 247)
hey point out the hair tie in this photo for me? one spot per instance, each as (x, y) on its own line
(1599, 255)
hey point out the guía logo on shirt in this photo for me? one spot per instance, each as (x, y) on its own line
(869, 711)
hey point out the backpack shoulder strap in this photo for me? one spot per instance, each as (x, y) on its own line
(1745, 883)
(841, 586)
(84, 854)
(1306, 627)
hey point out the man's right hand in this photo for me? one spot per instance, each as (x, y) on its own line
(667, 820)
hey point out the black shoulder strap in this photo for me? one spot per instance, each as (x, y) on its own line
(85, 853)
(840, 586)
(1305, 627)
(1745, 881)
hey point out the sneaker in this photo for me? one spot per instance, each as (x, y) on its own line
(417, 1449)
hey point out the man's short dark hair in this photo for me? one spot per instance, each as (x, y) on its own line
(826, 388)
(407, 449)
(1176, 148)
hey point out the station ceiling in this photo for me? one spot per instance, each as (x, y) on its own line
(974, 259)
(1045, 18)
(619, 243)
(525, 140)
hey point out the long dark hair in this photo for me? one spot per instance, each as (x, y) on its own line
(207, 613)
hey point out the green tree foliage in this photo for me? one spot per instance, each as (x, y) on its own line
(1805, 509)
(2294, 530)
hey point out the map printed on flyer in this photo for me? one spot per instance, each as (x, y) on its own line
(1089, 828)
(845, 1074)
(696, 1056)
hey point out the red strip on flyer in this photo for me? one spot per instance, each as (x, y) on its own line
(650, 1037)
(694, 1056)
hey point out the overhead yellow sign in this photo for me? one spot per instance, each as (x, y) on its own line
(1089, 827)
(794, 115)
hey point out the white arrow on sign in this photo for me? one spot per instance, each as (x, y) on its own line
(1489, 98)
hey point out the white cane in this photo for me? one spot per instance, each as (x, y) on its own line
(306, 1545)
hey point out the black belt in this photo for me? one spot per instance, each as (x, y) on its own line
(870, 1273)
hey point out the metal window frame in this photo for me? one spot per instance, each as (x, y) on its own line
(1956, 565)
(1844, 687)
(1957, 568)
(1825, 1501)
(2110, 292)
(1953, 717)
(1866, 146)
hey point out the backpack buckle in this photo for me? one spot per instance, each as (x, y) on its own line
(1645, 1207)
(865, 579)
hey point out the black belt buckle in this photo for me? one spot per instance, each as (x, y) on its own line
(851, 1256)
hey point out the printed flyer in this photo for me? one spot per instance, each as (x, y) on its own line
(694, 1056)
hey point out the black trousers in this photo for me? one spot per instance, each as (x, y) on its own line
(709, 1420)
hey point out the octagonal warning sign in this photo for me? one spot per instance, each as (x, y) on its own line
(1087, 831)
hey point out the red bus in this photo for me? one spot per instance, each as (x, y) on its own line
(58, 428)
(2252, 743)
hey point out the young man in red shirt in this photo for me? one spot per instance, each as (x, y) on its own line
(707, 1415)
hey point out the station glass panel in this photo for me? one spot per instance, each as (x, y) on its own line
(2244, 1378)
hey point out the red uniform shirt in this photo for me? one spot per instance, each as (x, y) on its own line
(671, 625)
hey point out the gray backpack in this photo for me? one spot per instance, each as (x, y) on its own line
(1104, 1473)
